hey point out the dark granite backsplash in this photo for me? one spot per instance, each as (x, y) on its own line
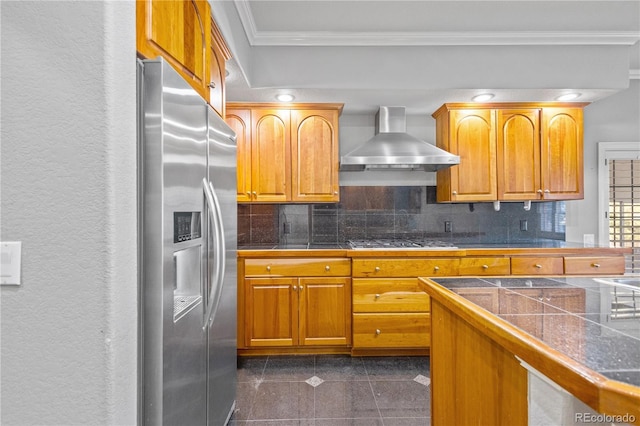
(370, 212)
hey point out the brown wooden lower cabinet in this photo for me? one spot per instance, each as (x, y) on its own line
(390, 313)
(375, 304)
(286, 312)
(280, 307)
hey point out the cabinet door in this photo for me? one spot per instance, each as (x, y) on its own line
(270, 155)
(325, 311)
(518, 135)
(179, 31)
(562, 154)
(240, 122)
(271, 312)
(314, 155)
(472, 136)
(218, 65)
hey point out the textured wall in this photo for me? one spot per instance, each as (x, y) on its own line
(68, 192)
(613, 119)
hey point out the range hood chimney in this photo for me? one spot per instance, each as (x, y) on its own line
(392, 148)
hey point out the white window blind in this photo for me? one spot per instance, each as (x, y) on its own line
(624, 209)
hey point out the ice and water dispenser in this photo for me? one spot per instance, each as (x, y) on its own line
(187, 287)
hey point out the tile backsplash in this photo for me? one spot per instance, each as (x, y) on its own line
(370, 212)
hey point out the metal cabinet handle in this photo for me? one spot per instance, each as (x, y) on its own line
(269, 268)
(595, 265)
(377, 269)
(378, 331)
(327, 268)
(539, 191)
(485, 266)
(335, 192)
(538, 266)
(255, 194)
(301, 287)
(212, 85)
(454, 193)
(436, 268)
(377, 296)
(546, 191)
(295, 287)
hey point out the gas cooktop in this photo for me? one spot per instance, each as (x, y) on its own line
(400, 244)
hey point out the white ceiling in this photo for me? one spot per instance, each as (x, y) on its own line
(422, 53)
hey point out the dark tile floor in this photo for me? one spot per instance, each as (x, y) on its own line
(333, 390)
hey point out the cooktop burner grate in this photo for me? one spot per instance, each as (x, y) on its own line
(398, 243)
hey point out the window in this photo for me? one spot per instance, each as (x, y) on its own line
(624, 208)
(619, 198)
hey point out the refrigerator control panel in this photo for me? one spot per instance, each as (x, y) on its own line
(186, 226)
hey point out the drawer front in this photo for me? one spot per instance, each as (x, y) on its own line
(378, 268)
(294, 267)
(402, 330)
(389, 295)
(537, 266)
(485, 266)
(594, 265)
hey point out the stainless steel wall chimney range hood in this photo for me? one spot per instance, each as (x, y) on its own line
(392, 148)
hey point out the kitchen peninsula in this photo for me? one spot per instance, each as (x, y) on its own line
(501, 347)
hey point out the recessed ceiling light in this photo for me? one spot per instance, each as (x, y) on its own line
(285, 97)
(483, 97)
(568, 96)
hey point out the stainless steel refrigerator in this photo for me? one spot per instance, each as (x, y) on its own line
(188, 242)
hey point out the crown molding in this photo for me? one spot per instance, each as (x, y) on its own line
(427, 38)
(452, 38)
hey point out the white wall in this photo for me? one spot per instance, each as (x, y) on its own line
(68, 192)
(613, 119)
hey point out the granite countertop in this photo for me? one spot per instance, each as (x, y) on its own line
(594, 321)
(456, 244)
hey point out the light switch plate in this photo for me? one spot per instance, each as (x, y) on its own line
(10, 253)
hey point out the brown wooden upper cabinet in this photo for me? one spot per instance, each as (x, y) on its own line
(184, 33)
(220, 54)
(511, 152)
(286, 154)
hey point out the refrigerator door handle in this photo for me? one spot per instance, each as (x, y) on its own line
(215, 216)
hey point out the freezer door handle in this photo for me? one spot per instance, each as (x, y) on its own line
(217, 281)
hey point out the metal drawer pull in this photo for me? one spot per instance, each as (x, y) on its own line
(485, 266)
(595, 265)
(378, 331)
(377, 296)
(436, 268)
(377, 269)
(268, 268)
(295, 288)
(326, 268)
(301, 287)
(538, 266)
